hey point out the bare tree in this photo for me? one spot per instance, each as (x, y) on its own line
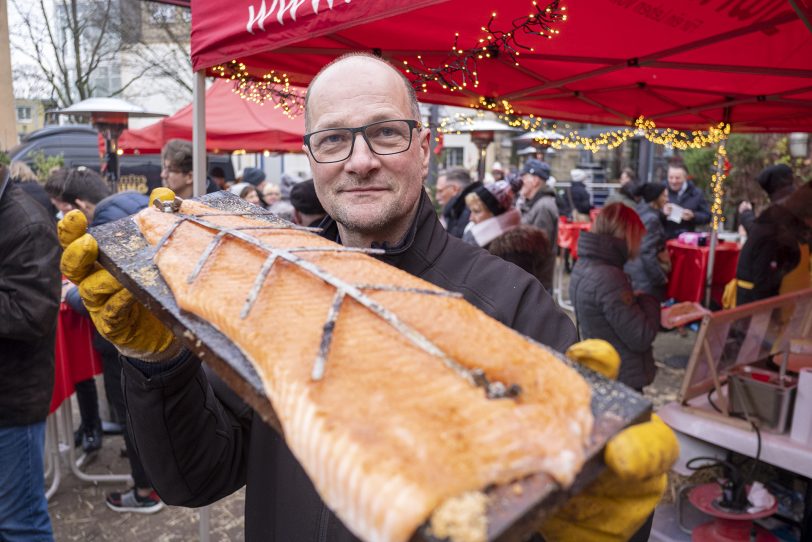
(78, 43)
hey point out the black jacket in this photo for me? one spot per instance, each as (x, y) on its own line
(29, 305)
(199, 442)
(692, 199)
(772, 250)
(645, 271)
(606, 307)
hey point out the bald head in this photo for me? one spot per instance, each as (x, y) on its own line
(349, 63)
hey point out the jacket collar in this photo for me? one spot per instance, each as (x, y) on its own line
(604, 248)
(424, 229)
(542, 192)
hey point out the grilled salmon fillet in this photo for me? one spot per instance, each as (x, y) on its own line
(369, 369)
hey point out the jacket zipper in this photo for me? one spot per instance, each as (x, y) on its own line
(324, 521)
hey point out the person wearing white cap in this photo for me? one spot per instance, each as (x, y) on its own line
(498, 172)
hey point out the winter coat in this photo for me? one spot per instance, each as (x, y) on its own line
(580, 197)
(118, 206)
(645, 271)
(607, 308)
(30, 286)
(692, 199)
(775, 259)
(199, 442)
(541, 211)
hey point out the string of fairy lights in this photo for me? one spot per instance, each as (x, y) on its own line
(721, 167)
(460, 68)
(270, 87)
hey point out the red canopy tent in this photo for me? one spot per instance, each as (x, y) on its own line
(232, 124)
(684, 65)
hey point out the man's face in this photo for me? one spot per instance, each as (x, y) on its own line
(445, 190)
(530, 184)
(372, 197)
(676, 178)
(176, 180)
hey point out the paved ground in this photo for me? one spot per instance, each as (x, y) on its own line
(78, 511)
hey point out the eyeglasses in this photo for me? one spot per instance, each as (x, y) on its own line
(382, 138)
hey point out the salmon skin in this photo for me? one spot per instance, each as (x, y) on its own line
(394, 395)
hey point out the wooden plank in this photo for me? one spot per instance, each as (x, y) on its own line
(514, 511)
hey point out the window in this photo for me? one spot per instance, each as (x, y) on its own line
(23, 113)
(452, 157)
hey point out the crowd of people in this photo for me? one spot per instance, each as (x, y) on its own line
(190, 440)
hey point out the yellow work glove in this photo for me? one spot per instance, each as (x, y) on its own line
(617, 504)
(115, 312)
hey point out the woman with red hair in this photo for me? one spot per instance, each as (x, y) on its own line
(606, 307)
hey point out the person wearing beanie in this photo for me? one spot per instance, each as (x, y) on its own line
(540, 208)
(307, 209)
(778, 182)
(578, 195)
(253, 176)
(498, 172)
(649, 271)
(497, 227)
(775, 259)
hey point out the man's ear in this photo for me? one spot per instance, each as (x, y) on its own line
(86, 207)
(425, 149)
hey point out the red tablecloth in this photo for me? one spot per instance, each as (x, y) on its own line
(568, 233)
(75, 359)
(689, 265)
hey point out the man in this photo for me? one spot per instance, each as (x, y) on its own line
(200, 442)
(683, 193)
(307, 209)
(452, 187)
(540, 209)
(177, 166)
(29, 305)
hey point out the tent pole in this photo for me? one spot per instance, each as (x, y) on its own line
(716, 211)
(199, 133)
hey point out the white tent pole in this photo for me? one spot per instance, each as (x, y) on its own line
(199, 133)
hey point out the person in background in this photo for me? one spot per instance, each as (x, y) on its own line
(649, 271)
(246, 191)
(498, 172)
(80, 190)
(578, 195)
(491, 213)
(683, 193)
(452, 185)
(22, 175)
(270, 194)
(775, 259)
(627, 193)
(255, 177)
(307, 209)
(30, 288)
(540, 208)
(218, 177)
(606, 306)
(778, 182)
(498, 229)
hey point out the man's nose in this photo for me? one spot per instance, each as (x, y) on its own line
(362, 160)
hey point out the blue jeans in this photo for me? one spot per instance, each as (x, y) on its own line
(23, 508)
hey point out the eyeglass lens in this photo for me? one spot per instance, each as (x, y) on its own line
(387, 137)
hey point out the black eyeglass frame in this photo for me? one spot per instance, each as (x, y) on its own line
(413, 124)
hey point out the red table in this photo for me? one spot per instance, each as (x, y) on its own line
(75, 359)
(568, 234)
(689, 265)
